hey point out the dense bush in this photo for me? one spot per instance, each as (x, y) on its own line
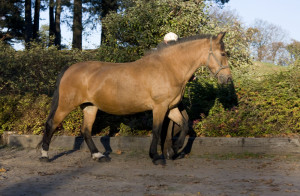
(27, 114)
(35, 70)
(266, 107)
(132, 31)
(23, 113)
(142, 26)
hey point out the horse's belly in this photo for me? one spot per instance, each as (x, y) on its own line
(119, 108)
(121, 103)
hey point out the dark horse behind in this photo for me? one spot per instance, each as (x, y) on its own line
(155, 82)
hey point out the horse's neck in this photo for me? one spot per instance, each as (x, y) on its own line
(189, 58)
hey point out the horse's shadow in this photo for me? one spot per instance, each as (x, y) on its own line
(79, 140)
(105, 141)
(76, 146)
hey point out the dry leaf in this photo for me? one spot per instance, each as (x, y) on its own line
(119, 152)
(2, 170)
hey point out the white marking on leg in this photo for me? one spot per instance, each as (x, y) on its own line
(44, 153)
(168, 154)
(97, 155)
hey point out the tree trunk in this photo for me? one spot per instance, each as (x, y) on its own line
(107, 6)
(57, 24)
(77, 25)
(103, 35)
(28, 23)
(36, 21)
(51, 21)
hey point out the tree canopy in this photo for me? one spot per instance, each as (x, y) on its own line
(135, 30)
(132, 27)
(12, 24)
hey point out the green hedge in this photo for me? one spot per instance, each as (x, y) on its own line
(35, 70)
(267, 105)
(26, 114)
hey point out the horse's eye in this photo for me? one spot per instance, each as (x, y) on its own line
(223, 54)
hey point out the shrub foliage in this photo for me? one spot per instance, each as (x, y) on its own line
(269, 107)
(140, 27)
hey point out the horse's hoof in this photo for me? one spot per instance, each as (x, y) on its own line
(44, 159)
(170, 153)
(159, 160)
(180, 156)
(104, 159)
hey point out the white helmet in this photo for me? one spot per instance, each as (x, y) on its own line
(170, 37)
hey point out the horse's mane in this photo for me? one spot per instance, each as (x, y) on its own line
(161, 46)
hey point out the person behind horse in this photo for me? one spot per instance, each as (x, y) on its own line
(170, 37)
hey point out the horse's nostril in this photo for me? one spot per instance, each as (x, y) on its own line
(224, 79)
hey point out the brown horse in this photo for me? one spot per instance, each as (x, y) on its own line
(155, 82)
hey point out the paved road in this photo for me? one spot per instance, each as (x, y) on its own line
(129, 173)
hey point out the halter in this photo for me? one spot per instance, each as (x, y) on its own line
(208, 59)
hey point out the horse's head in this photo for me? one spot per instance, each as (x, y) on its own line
(217, 61)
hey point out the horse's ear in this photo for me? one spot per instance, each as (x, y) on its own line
(221, 36)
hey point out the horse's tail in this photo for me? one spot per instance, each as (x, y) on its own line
(54, 103)
(55, 97)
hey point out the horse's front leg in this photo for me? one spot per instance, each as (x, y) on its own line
(180, 119)
(158, 118)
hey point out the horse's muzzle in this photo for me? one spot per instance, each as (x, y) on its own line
(225, 79)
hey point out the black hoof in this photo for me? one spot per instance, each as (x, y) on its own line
(44, 159)
(170, 153)
(160, 160)
(104, 159)
(181, 155)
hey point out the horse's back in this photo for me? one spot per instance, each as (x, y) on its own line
(106, 85)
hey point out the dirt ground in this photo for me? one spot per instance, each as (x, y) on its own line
(129, 173)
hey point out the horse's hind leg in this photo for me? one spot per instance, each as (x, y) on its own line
(89, 115)
(54, 119)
